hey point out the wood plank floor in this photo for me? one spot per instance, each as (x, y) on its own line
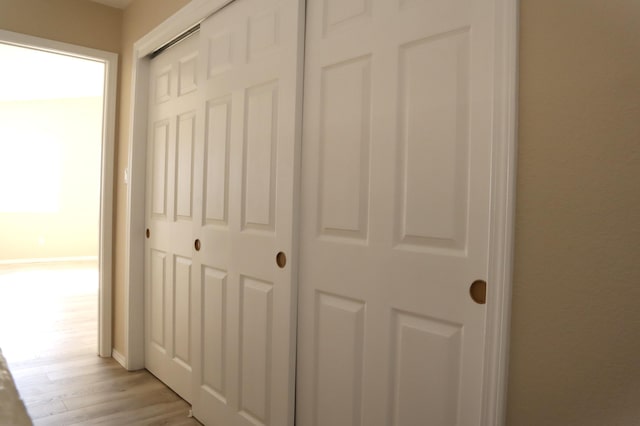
(48, 334)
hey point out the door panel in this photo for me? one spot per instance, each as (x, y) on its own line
(256, 340)
(182, 310)
(214, 349)
(184, 165)
(244, 317)
(339, 347)
(159, 168)
(431, 209)
(344, 149)
(424, 389)
(173, 118)
(216, 171)
(259, 165)
(157, 291)
(394, 212)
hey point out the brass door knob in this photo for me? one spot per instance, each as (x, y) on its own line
(196, 244)
(281, 259)
(478, 291)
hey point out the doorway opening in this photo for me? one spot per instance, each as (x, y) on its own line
(57, 124)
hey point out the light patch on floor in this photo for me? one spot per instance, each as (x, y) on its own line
(35, 300)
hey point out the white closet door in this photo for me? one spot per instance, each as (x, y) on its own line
(170, 208)
(395, 211)
(244, 311)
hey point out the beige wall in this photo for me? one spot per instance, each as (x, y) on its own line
(62, 139)
(575, 341)
(79, 22)
(138, 19)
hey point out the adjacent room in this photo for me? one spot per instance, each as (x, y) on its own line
(51, 121)
(50, 148)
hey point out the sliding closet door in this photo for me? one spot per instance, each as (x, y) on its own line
(395, 212)
(170, 209)
(244, 302)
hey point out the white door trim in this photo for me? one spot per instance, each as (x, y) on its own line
(190, 15)
(502, 202)
(105, 251)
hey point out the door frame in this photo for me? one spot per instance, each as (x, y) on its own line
(503, 175)
(105, 245)
(502, 213)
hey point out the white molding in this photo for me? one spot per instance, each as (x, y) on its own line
(121, 359)
(501, 237)
(193, 13)
(25, 40)
(105, 338)
(106, 178)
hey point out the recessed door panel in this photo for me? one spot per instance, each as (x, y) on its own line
(340, 12)
(220, 52)
(261, 139)
(159, 168)
(184, 167)
(426, 370)
(344, 145)
(263, 34)
(162, 79)
(256, 342)
(182, 309)
(216, 189)
(339, 343)
(187, 82)
(214, 332)
(157, 297)
(434, 141)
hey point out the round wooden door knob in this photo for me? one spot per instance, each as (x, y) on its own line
(478, 291)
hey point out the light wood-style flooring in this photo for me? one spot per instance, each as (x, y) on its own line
(48, 334)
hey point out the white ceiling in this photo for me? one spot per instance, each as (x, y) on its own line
(120, 4)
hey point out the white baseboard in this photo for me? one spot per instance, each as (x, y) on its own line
(119, 357)
(49, 260)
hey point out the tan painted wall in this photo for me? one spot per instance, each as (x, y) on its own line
(139, 18)
(65, 137)
(78, 22)
(575, 348)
